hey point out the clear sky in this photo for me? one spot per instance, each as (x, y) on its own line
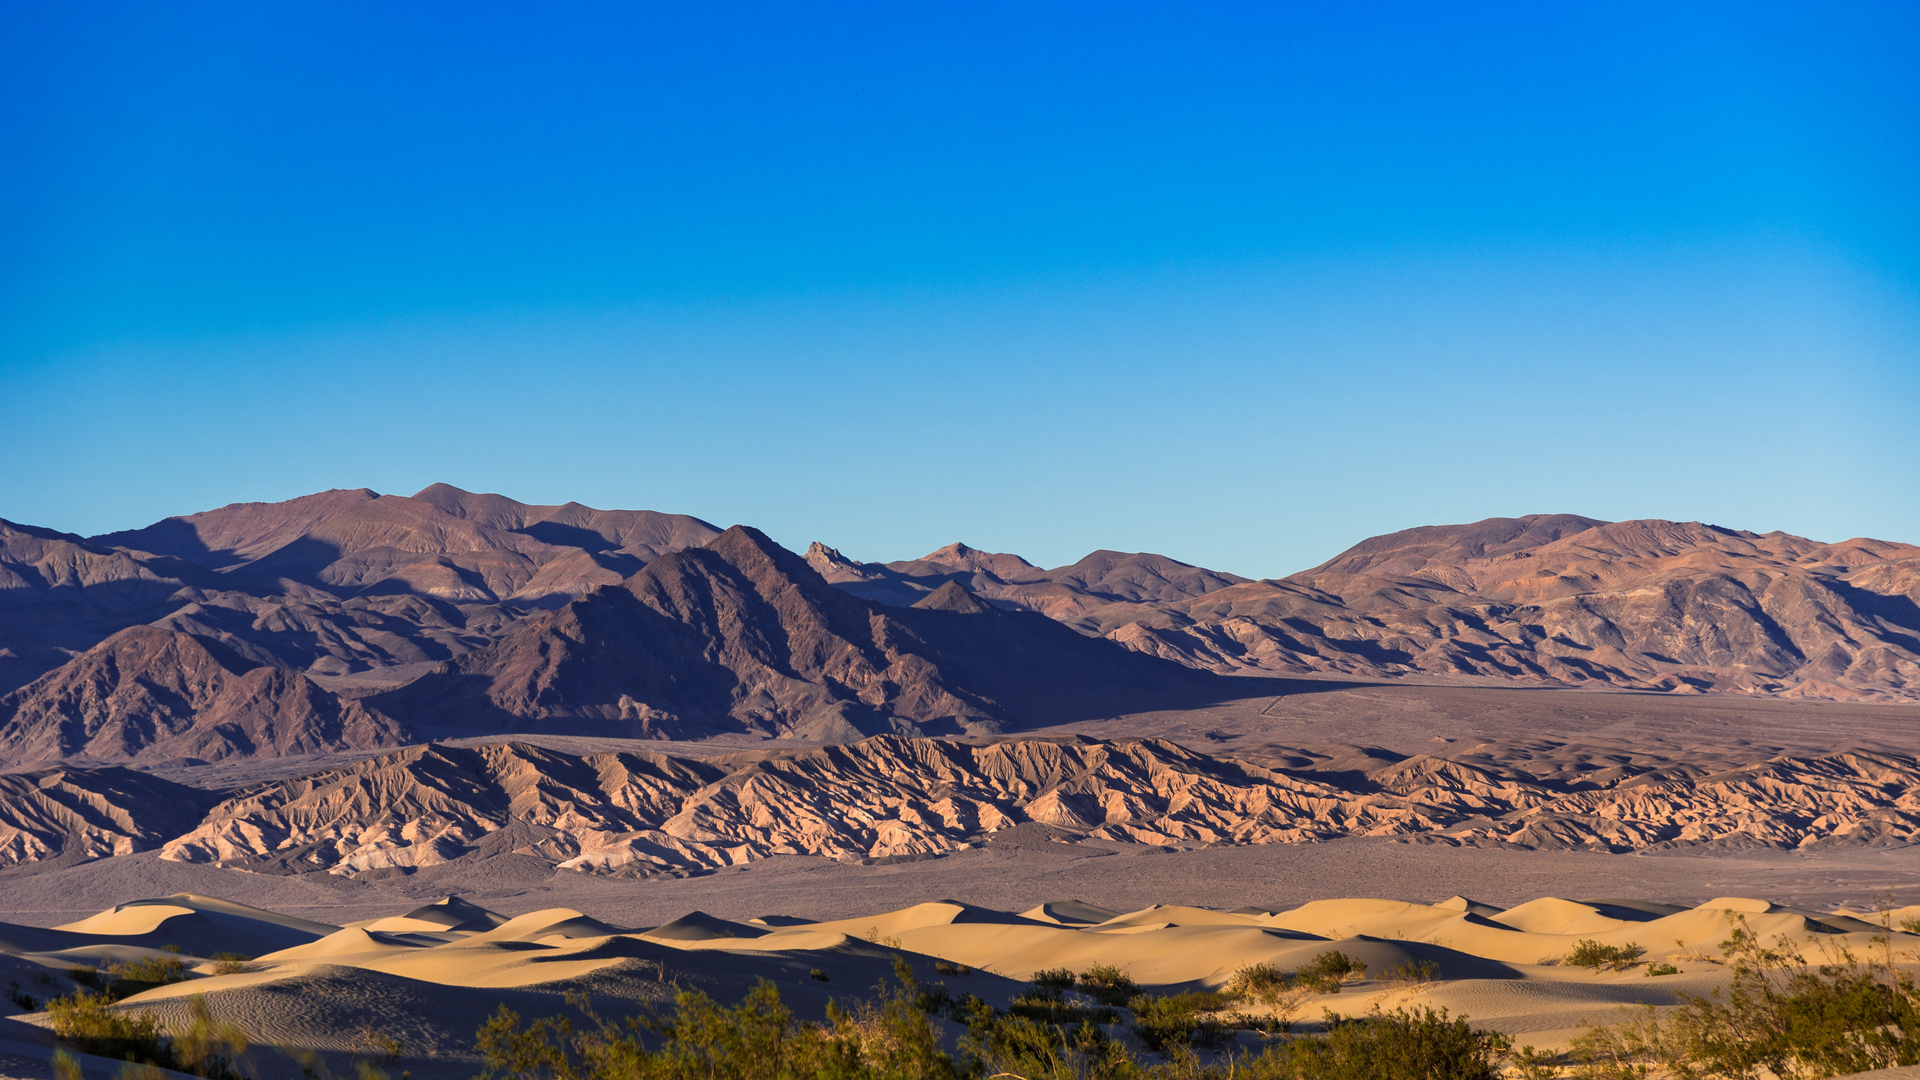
(1241, 284)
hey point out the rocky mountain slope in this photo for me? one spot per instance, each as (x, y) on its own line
(1645, 605)
(154, 694)
(1065, 593)
(893, 796)
(1656, 605)
(741, 635)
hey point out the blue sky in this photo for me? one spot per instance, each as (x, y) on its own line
(1239, 284)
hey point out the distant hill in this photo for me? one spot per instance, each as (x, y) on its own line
(1557, 599)
(1655, 605)
(338, 584)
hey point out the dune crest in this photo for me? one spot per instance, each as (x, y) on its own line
(1507, 969)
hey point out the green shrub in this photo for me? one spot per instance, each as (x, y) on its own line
(891, 1039)
(1422, 1045)
(134, 976)
(1018, 1046)
(87, 1023)
(1412, 973)
(1059, 1011)
(1108, 985)
(1592, 954)
(1657, 970)
(86, 976)
(1779, 1014)
(757, 1038)
(1053, 981)
(206, 1048)
(1328, 971)
(1162, 1021)
(1263, 983)
(232, 963)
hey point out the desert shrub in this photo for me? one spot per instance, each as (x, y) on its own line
(1419, 1043)
(1258, 982)
(1326, 972)
(1108, 985)
(1411, 973)
(86, 1022)
(1527, 1063)
(232, 963)
(757, 1038)
(1053, 981)
(133, 976)
(891, 1039)
(86, 976)
(1162, 1021)
(205, 1047)
(1779, 1014)
(210, 1048)
(1002, 1045)
(1592, 954)
(1059, 1011)
(21, 998)
(817, 975)
(1654, 971)
(947, 967)
(1266, 985)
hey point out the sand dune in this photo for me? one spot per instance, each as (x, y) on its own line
(335, 988)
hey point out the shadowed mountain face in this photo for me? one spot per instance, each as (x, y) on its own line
(743, 636)
(60, 595)
(1649, 605)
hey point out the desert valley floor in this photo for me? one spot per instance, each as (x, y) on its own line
(1491, 916)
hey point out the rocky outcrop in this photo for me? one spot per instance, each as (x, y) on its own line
(92, 813)
(893, 796)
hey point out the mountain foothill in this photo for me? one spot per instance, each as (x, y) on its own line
(350, 620)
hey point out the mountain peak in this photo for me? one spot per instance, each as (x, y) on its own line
(953, 596)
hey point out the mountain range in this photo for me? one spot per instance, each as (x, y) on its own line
(352, 620)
